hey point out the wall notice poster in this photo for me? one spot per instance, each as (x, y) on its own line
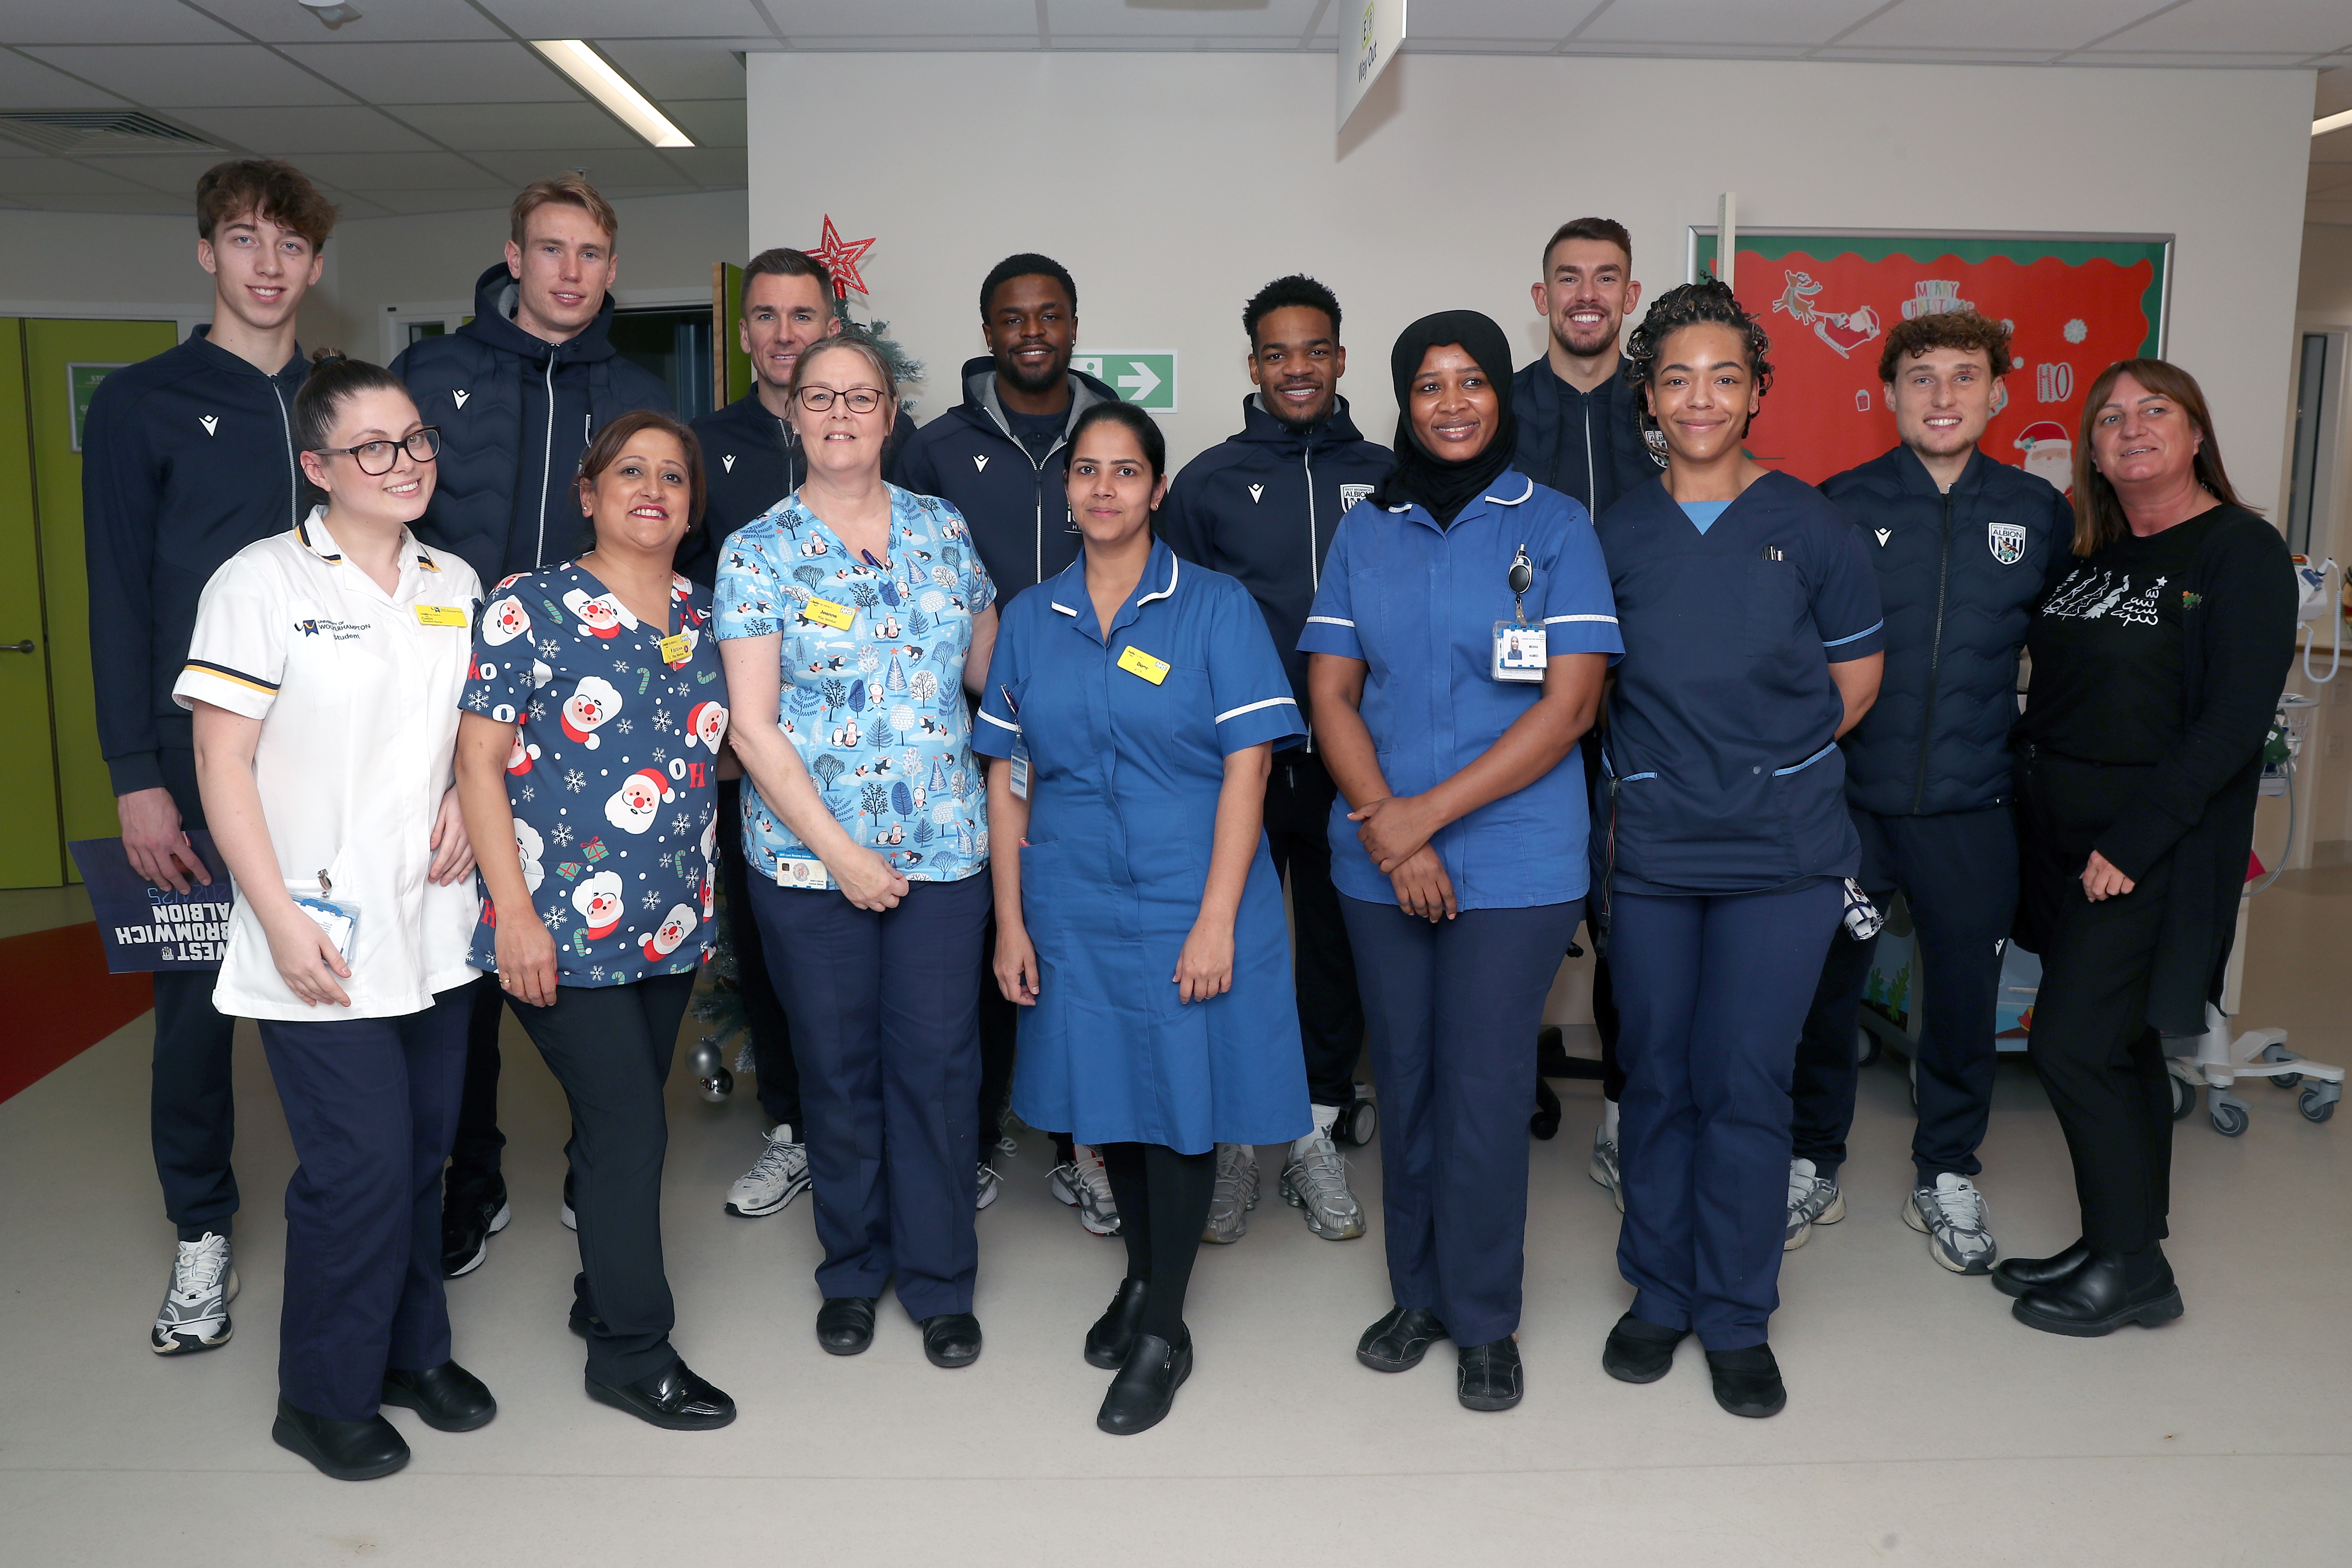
(2075, 303)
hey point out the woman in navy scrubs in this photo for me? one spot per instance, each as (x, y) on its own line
(1456, 648)
(1752, 638)
(1132, 708)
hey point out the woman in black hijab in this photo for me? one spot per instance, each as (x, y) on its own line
(1456, 647)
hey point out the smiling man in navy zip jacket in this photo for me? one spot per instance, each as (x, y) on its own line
(187, 458)
(1262, 507)
(518, 393)
(1964, 546)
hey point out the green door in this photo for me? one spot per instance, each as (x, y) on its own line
(32, 849)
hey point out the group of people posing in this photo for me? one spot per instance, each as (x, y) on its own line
(492, 680)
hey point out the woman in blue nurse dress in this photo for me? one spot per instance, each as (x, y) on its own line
(1131, 713)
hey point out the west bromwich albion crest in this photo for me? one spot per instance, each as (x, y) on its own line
(2007, 542)
(1351, 494)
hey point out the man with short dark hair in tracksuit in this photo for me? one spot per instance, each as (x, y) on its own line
(999, 457)
(518, 394)
(1262, 507)
(1964, 546)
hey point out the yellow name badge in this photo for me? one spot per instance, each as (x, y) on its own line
(1136, 662)
(676, 649)
(825, 612)
(440, 615)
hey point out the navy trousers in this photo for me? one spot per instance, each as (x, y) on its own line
(1451, 1010)
(1299, 796)
(1711, 992)
(886, 1026)
(191, 1110)
(764, 1011)
(373, 1105)
(1957, 871)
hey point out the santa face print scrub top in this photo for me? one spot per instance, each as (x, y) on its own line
(613, 775)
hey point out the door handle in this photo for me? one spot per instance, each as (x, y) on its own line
(24, 647)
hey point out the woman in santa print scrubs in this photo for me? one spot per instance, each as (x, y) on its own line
(592, 719)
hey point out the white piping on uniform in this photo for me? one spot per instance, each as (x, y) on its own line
(1327, 621)
(1514, 501)
(1253, 707)
(1556, 619)
(1063, 608)
(1175, 569)
(997, 722)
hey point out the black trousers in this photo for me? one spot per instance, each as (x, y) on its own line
(478, 1155)
(1958, 871)
(191, 1110)
(611, 1047)
(1604, 985)
(1000, 1031)
(764, 1011)
(1299, 796)
(2098, 1056)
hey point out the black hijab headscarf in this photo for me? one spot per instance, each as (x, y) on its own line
(1445, 487)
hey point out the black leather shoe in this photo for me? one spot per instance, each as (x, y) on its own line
(2106, 1292)
(470, 1216)
(1114, 1333)
(674, 1399)
(951, 1339)
(449, 1397)
(1748, 1382)
(2015, 1276)
(1398, 1340)
(1640, 1352)
(844, 1324)
(1489, 1377)
(347, 1450)
(1145, 1389)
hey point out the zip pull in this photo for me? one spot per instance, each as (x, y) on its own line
(326, 886)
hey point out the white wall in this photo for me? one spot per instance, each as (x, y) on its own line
(1173, 186)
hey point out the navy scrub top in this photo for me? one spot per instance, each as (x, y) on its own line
(1418, 604)
(1722, 737)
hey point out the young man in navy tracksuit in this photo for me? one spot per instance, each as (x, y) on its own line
(518, 393)
(999, 456)
(187, 458)
(1580, 434)
(1263, 507)
(1964, 546)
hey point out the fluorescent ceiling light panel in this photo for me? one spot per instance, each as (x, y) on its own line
(584, 66)
(2333, 122)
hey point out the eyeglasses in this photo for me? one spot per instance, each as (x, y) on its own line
(861, 399)
(376, 458)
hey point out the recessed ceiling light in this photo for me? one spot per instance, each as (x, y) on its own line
(589, 69)
(2332, 122)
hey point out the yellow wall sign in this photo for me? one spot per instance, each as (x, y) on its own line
(1136, 662)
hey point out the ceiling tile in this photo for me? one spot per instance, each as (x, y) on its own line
(605, 167)
(715, 167)
(1179, 21)
(2183, 59)
(83, 21)
(371, 171)
(294, 132)
(459, 201)
(190, 76)
(149, 202)
(1524, 20)
(2335, 92)
(1932, 56)
(173, 174)
(35, 177)
(825, 21)
(509, 127)
(28, 84)
(1692, 26)
(696, 67)
(285, 22)
(1451, 46)
(1998, 26)
(438, 73)
(712, 122)
(2301, 27)
(633, 18)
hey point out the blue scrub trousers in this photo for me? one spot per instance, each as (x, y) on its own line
(1711, 993)
(885, 1028)
(1451, 1010)
(372, 1107)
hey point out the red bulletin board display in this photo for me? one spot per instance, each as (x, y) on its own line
(2075, 303)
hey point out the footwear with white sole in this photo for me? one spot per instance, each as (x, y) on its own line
(990, 1184)
(1813, 1199)
(1085, 1186)
(1235, 1194)
(194, 1314)
(1603, 1168)
(1952, 1215)
(780, 1175)
(1315, 1178)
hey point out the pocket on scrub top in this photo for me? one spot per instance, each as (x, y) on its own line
(1773, 595)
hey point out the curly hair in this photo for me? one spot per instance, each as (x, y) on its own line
(1693, 305)
(1967, 331)
(1296, 290)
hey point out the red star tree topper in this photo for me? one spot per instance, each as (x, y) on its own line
(840, 257)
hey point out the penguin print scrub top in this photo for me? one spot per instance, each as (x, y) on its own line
(872, 694)
(613, 776)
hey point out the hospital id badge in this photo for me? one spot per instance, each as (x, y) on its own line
(338, 918)
(1019, 770)
(1518, 652)
(440, 615)
(677, 650)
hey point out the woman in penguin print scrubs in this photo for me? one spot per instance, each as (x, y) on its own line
(590, 742)
(1133, 705)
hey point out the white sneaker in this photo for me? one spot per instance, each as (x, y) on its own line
(1235, 1195)
(990, 1184)
(1952, 1214)
(1085, 1186)
(1315, 1178)
(1813, 1199)
(194, 1314)
(780, 1175)
(1603, 1168)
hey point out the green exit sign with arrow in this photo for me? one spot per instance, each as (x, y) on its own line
(1145, 379)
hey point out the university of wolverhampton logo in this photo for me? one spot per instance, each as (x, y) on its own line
(308, 627)
(2007, 542)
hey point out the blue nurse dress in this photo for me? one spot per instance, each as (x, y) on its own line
(1125, 773)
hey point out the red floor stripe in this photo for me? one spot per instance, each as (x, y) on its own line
(61, 1001)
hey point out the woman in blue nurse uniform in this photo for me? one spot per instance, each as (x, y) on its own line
(1133, 705)
(1456, 647)
(1752, 637)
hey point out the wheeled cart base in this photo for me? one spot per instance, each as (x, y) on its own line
(2215, 1061)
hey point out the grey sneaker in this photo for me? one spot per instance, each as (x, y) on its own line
(194, 1314)
(990, 1184)
(1603, 1167)
(780, 1175)
(1236, 1193)
(1813, 1199)
(1952, 1214)
(1315, 1178)
(1085, 1186)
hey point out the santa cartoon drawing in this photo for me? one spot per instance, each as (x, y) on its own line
(639, 798)
(602, 616)
(505, 621)
(707, 904)
(598, 900)
(2048, 454)
(529, 846)
(709, 839)
(669, 933)
(592, 702)
(524, 753)
(707, 722)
